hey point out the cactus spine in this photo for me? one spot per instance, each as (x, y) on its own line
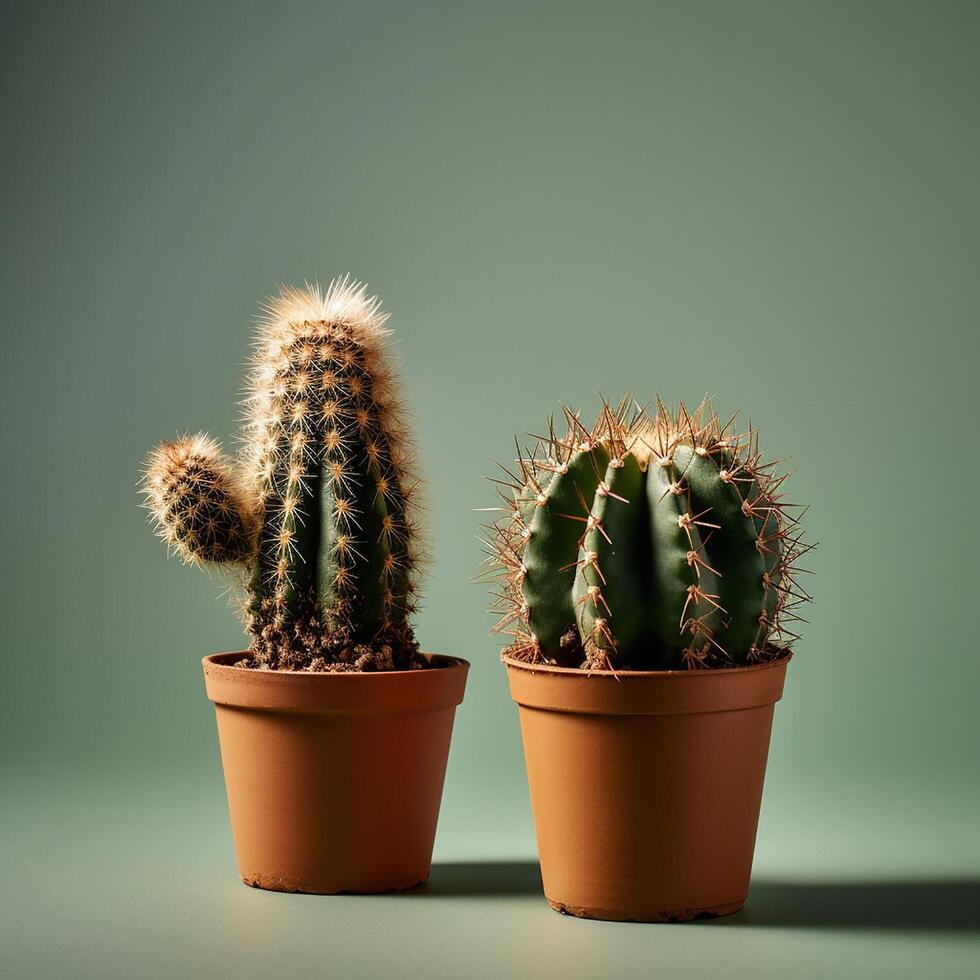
(646, 542)
(325, 495)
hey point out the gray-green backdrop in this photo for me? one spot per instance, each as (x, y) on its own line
(773, 203)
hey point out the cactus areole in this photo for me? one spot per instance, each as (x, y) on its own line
(648, 541)
(316, 518)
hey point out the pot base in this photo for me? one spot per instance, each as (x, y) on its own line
(271, 884)
(678, 915)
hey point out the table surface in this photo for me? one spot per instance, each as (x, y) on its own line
(110, 877)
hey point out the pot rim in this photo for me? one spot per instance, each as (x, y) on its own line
(574, 690)
(620, 675)
(353, 692)
(216, 661)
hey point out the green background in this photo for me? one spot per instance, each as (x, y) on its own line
(774, 203)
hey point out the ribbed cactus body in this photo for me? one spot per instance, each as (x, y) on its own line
(733, 547)
(550, 562)
(610, 590)
(332, 555)
(680, 581)
(334, 496)
(644, 542)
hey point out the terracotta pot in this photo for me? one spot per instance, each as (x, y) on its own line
(646, 785)
(334, 780)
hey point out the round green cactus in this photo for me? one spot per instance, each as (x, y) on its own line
(647, 542)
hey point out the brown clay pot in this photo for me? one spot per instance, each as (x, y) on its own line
(334, 780)
(646, 785)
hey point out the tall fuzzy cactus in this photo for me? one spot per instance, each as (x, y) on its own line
(646, 542)
(318, 517)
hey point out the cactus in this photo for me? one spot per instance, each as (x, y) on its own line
(646, 542)
(197, 503)
(318, 518)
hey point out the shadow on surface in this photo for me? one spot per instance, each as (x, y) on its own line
(928, 905)
(503, 878)
(949, 905)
